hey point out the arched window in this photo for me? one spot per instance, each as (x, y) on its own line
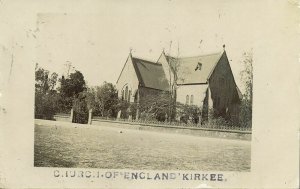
(192, 99)
(136, 96)
(126, 93)
(187, 99)
(122, 94)
(129, 95)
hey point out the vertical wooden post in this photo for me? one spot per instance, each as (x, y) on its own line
(71, 116)
(200, 120)
(137, 113)
(90, 116)
(119, 115)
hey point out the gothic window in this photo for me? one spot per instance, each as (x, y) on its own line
(129, 95)
(136, 96)
(126, 93)
(192, 99)
(187, 99)
(122, 94)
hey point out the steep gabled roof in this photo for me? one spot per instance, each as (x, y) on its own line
(239, 93)
(150, 74)
(186, 67)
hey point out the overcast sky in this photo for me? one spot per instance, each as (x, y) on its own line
(98, 44)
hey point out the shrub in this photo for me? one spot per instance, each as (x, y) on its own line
(189, 113)
(123, 106)
(80, 109)
(246, 114)
(46, 105)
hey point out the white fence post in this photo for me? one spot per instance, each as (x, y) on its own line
(119, 115)
(90, 116)
(137, 112)
(71, 116)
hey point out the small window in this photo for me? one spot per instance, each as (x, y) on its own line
(199, 66)
(187, 99)
(192, 99)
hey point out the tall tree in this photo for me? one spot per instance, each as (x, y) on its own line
(46, 98)
(80, 108)
(247, 75)
(69, 89)
(174, 77)
(73, 85)
(106, 100)
(247, 79)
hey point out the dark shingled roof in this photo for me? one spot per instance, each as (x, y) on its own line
(186, 67)
(239, 93)
(150, 74)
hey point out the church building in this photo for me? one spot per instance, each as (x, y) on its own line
(205, 81)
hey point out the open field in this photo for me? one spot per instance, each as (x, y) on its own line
(86, 146)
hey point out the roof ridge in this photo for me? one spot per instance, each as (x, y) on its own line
(147, 61)
(138, 73)
(137, 57)
(194, 56)
(216, 64)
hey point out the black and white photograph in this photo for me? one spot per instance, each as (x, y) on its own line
(157, 93)
(171, 96)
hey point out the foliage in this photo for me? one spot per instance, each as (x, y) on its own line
(69, 90)
(246, 114)
(188, 113)
(80, 108)
(73, 93)
(91, 98)
(43, 82)
(220, 122)
(174, 77)
(45, 105)
(133, 109)
(46, 98)
(217, 121)
(104, 100)
(123, 106)
(156, 106)
(247, 76)
(159, 107)
(247, 79)
(73, 85)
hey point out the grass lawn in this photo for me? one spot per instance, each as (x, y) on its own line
(116, 148)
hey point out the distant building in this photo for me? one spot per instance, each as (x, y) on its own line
(205, 81)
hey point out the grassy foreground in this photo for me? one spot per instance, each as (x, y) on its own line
(116, 148)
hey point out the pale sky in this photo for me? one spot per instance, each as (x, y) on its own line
(98, 44)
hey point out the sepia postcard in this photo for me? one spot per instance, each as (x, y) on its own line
(149, 94)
